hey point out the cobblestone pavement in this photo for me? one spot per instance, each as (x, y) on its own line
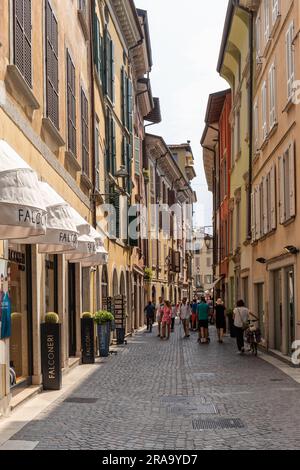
(158, 394)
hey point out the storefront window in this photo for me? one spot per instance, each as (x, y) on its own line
(14, 297)
(86, 289)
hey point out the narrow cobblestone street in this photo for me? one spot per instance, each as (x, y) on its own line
(174, 394)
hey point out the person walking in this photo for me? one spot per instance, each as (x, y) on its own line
(194, 314)
(174, 315)
(150, 310)
(159, 314)
(185, 314)
(220, 319)
(241, 320)
(166, 320)
(203, 314)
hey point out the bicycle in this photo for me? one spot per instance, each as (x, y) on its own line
(253, 336)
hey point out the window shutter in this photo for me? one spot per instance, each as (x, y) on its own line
(265, 205)
(130, 106)
(137, 164)
(258, 38)
(273, 197)
(133, 239)
(108, 141)
(97, 51)
(85, 137)
(290, 59)
(282, 214)
(71, 105)
(157, 186)
(123, 217)
(264, 110)
(275, 10)
(97, 157)
(22, 39)
(267, 20)
(123, 94)
(257, 213)
(113, 146)
(52, 94)
(112, 84)
(256, 128)
(292, 189)
(107, 58)
(272, 97)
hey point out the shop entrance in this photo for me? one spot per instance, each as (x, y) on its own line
(72, 308)
(16, 300)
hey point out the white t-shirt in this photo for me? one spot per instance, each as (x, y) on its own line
(185, 312)
(241, 315)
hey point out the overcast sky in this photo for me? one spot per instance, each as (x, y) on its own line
(186, 38)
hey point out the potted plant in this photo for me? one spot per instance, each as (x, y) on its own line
(229, 314)
(51, 352)
(148, 274)
(103, 319)
(87, 338)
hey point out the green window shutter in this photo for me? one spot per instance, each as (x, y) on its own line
(96, 42)
(108, 141)
(113, 147)
(132, 241)
(107, 60)
(128, 165)
(112, 58)
(123, 85)
(137, 165)
(130, 106)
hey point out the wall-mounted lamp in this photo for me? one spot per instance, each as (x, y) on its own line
(292, 250)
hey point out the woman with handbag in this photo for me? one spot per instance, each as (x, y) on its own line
(241, 323)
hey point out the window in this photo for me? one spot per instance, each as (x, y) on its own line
(266, 20)
(256, 127)
(22, 39)
(85, 137)
(232, 148)
(175, 156)
(52, 101)
(264, 111)
(208, 262)
(275, 11)
(126, 161)
(272, 96)
(238, 132)
(290, 60)
(109, 67)
(71, 104)
(230, 231)
(287, 200)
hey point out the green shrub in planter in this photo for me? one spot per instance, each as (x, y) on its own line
(148, 274)
(102, 316)
(87, 315)
(51, 317)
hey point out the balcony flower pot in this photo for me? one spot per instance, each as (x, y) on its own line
(51, 352)
(87, 338)
(104, 320)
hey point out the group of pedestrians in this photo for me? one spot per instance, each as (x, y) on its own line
(196, 317)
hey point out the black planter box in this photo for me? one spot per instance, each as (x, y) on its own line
(120, 335)
(51, 355)
(103, 331)
(87, 340)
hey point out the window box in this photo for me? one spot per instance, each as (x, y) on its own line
(273, 129)
(48, 125)
(15, 78)
(290, 103)
(72, 160)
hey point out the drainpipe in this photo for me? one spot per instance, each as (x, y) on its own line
(249, 12)
(93, 169)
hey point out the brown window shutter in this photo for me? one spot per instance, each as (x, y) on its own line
(52, 66)
(71, 105)
(22, 38)
(85, 134)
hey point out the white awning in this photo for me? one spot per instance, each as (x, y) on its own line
(217, 282)
(62, 234)
(86, 243)
(101, 256)
(22, 210)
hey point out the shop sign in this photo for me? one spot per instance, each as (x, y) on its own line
(31, 217)
(87, 340)
(51, 356)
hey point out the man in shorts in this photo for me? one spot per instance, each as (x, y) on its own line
(203, 314)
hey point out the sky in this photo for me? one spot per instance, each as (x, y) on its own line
(185, 39)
